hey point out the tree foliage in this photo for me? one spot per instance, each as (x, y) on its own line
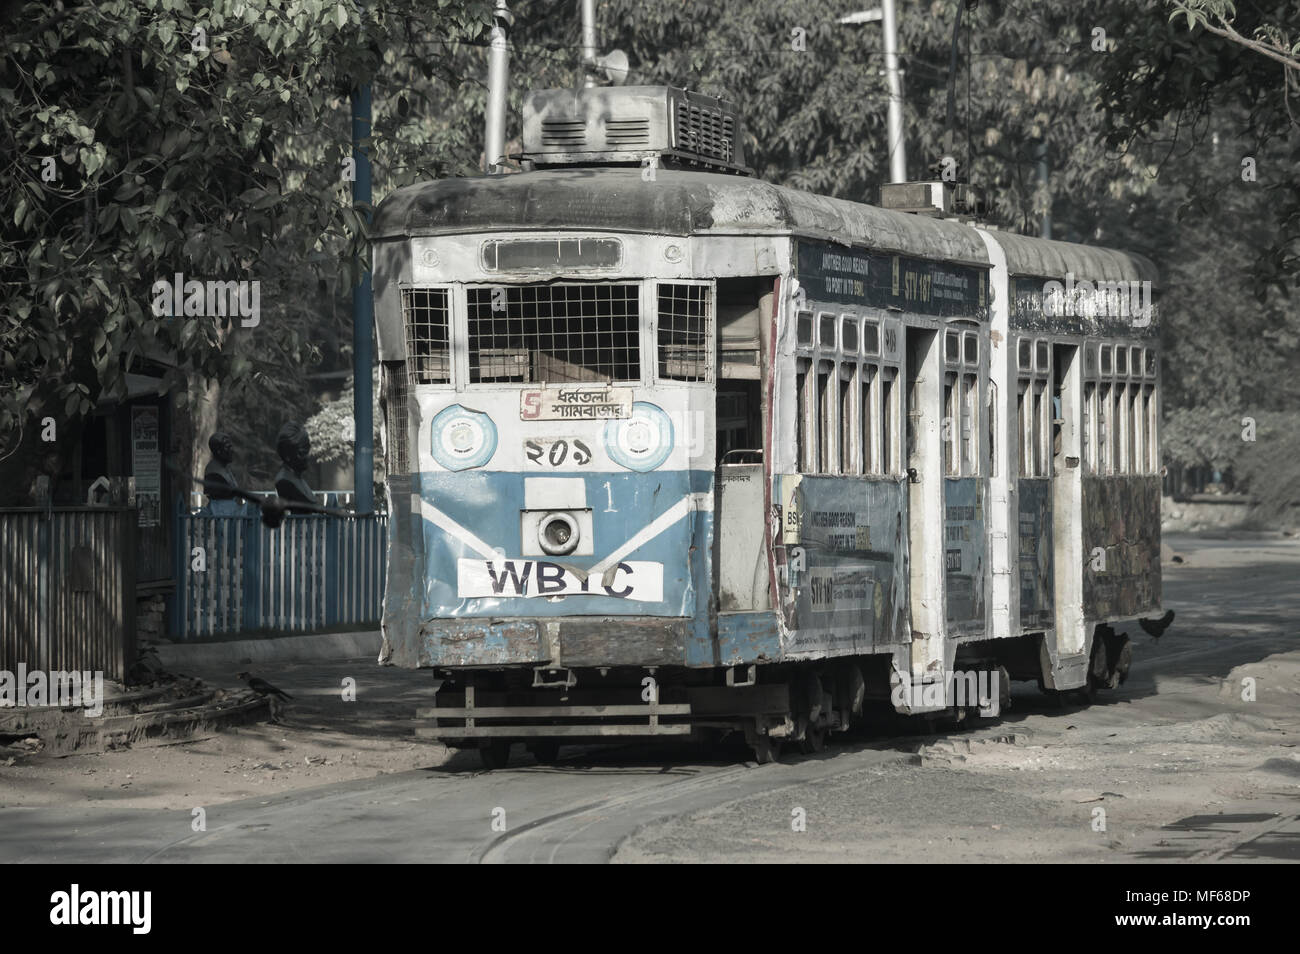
(147, 138)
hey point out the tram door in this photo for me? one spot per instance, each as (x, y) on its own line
(1067, 499)
(925, 497)
(744, 308)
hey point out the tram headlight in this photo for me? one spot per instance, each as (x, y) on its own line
(558, 534)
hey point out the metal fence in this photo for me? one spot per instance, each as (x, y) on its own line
(312, 572)
(67, 589)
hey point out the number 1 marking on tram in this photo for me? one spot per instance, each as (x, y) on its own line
(609, 495)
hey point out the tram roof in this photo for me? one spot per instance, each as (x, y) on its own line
(676, 202)
(1045, 258)
(682, 202)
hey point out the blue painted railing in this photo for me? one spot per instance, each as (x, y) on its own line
(312, 572)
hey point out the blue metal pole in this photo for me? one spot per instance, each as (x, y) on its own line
(363, 320)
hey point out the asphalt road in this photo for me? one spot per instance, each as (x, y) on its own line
(987, 794)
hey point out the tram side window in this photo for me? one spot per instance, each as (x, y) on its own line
(951, 424)
(826, 458)
(1120, 415)
(1124, 459)
(684, 332)
(1089, 427)
(868, 433)
(888, 431)
(1034, 407)
(1149, 396)
(991, 413)
(1042, 428)
(426, 313)
(1105, 430)
(1137, 456)
(1023, 404)
(970, 425)
(805, 431)
(850, 454)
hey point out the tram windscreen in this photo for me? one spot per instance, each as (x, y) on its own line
(554, 333)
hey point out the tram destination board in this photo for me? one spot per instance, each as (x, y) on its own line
(855, 276)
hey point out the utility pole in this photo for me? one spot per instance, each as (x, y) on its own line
(897, 148)
(885, 14)
(498, 82)
(363, 321)
(588, 43)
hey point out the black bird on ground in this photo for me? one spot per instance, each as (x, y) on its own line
(262, 687)
(1156, 627)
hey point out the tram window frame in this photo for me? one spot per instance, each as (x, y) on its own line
(951, 424)
(1137, 406)
(1024, 355)
(1033, 413)
(426, 365)
(850, 455)
(827, 321)
(849, 330)
(1043, 425)
(868, 416)
(952, 348)
(871, 338)
(827, 426)
(1105, 427)
(969, 425)
(804, 328)
(1151, 411)
(697, 358)
(1124, 459)
(961, 403)
(1024, 405)
(1088, 437)
(806, 451)
(890, 431)
(990, 417)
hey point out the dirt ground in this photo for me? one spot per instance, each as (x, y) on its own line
(322, 739)
(1177, 741)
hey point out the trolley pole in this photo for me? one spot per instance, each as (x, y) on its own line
(363, 320)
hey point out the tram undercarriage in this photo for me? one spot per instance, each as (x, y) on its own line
(769, 706)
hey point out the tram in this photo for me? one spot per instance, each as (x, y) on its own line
(673, 451)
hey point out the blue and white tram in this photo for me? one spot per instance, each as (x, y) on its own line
(673, 450)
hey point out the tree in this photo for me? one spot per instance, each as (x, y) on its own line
(150, 137)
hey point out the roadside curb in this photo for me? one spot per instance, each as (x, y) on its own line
(281, 649)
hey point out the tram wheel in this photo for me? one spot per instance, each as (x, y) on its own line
(813, 741)
(766, 750)
(495, 754)
(546, 752)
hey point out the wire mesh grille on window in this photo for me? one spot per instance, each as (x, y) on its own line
(554, 333)
(395, 417)
(427, 317)
(685, 324)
